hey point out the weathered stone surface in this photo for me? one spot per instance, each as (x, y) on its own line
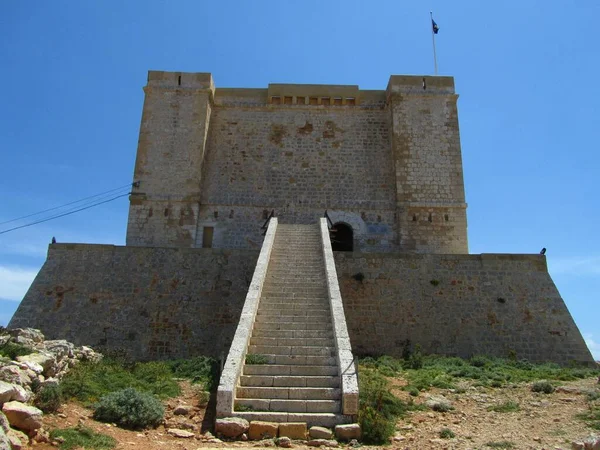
(320, 433)
(231, 427)
(348, 431)
(4, 440)
(43, 359)
(262, 430)
(293, 430)
(320, 442)
(180, 433)
(22, 416)
(18, 439)
(284, 442)
(438, 403)
(15, 375)
(7, 392)
(26, 336)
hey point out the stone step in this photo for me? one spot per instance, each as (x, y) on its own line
(284, 298)
(290, 350)
(289, 381)
(282, 325)
(300, 334)
(296, 281)
(285, 312)
(303, 291)
(293, 320)
(291, 393)
(300, 360)
(298, 342)
(329, 420)
(289, 306)
(283, 405)
(286, 369)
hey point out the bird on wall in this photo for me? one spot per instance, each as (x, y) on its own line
(543, 252)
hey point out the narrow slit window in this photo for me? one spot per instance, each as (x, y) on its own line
(207, 237)
(351, 101)
(301, 100)
(337, 101)
(287, 100)
(276, 100)
(314, 101)
(326, 101)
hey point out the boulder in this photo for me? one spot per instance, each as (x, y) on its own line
(4, 440)
(182, 410)
(262, 430)
(231, 427)
(15, 375)
(293, 430)
(347, 432)
(7, 392)
(26, 336)
(22, 416)
(21, 394)
(319, 442)
(438, 403)
(320, 433)
(180, 433)
(44, 359)
(60, 348)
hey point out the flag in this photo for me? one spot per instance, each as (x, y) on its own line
(434, 27)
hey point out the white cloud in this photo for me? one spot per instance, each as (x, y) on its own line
(593, 346)
(14, 281)
(582, 265)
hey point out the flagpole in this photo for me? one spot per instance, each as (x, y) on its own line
(433, 40)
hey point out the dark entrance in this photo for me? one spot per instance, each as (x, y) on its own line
(342, 237)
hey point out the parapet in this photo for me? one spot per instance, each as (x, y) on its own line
(420, 84)
(200, 80)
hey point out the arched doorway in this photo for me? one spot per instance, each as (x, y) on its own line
(342, 237)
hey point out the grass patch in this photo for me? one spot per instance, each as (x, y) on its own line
(500, 444)
(447, 433)
(89, 381)
(542, 386)
(378, 409)
(508, 406)
(82, 437)
(425, 372)
(49, 398)
(201, 370)
(12, 350)
(591, 417)
(252, 358)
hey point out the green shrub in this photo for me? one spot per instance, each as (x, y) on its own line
(157, 378)
(12, 350)
(82, 437)
(130, 409)
(49, 398)
(591, 417)
(542, 386)
(413, 391)
(201, 369)
(447, 433)
(252, 358)
(508, 406)
(442, 407)
(378, 407)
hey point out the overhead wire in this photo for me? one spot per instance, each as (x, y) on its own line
(64, 214)
(128, 185)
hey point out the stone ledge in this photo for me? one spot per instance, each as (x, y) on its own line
(237, 352)
(345, 359)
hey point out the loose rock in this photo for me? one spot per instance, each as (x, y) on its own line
(262, 430)
(182, 410)
(22, 416)
(320, 433)
(284, 442)
(231, 427)
(319, 442)
(293, 430)
(348, 431)
(176, 432)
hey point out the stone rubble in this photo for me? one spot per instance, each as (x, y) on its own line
(47, 363)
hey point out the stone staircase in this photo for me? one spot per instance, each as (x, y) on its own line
(293, 333)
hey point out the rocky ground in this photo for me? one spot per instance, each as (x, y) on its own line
(543, 421)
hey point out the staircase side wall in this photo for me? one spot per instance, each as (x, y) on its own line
(491, 304)
(156, 303)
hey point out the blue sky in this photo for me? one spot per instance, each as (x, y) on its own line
(526, 71)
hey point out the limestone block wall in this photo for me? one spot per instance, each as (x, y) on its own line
(175, 121)
(463, 305)
(154, 302)
(429, 175)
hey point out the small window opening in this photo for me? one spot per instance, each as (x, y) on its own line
(166, 212)
(351, 101)
(276, 100)
(337, 101)
(314, 101)
(325, 101)
(414, 217)
(430, 218)
(300, 100)
(150, 212)
(179, 80)
(216, 214)
(288, 100)
(207, 237)
(446, 217)
(424, 84)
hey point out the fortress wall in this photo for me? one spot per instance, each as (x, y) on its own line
(169, 303)
(299, 162)
(464, 305)
(155, 302)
